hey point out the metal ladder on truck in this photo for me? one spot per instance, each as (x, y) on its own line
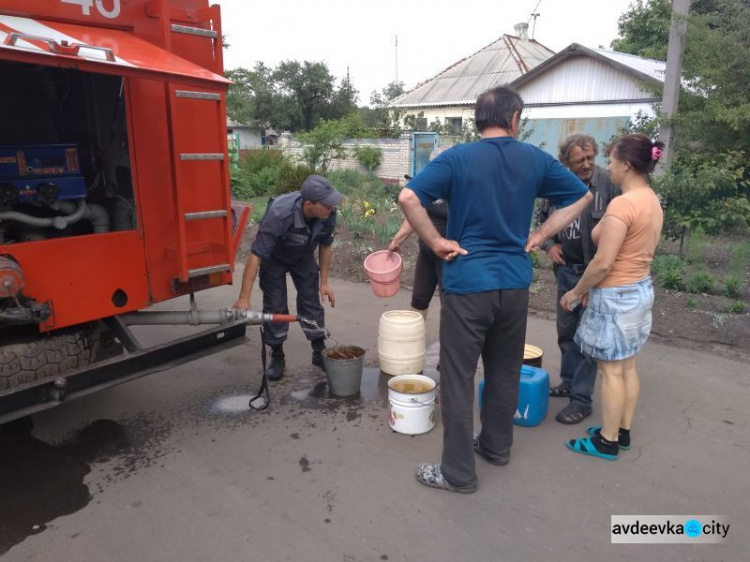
(183, 103)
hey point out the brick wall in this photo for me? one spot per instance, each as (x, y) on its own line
(396, 155)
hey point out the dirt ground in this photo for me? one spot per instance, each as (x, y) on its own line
(706, 326)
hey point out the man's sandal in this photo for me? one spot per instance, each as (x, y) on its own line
(584, 446)
(559, 391)
(431, 475)
(572, 414)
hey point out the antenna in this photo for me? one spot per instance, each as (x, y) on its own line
(396, 59)
(533, 27)
(534, 15)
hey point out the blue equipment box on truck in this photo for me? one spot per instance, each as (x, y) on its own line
(39, 160)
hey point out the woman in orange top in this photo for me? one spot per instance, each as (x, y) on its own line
(617, 285)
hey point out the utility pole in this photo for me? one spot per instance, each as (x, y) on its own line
(396, 59)
(672, 78)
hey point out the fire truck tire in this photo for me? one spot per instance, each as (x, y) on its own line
(47, 356)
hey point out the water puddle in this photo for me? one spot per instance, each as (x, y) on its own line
(40, 482)
(374, 388)
(231, 404)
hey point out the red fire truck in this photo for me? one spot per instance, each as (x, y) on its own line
(114, 191)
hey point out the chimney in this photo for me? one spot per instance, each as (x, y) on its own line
(522, 30)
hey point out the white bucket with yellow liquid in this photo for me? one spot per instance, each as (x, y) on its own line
(411, 404)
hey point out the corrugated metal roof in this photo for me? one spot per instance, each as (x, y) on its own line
(640, 68)
(653, 68)
(497, 64)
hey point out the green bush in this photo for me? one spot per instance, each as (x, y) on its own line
(369, 157)
(672, 279)
(736, 307)
(667, 262)
(703, 190)
(732, 287)
(349, 182)
(291, 178)
(669, 269)
(258, 173)
(699, 282)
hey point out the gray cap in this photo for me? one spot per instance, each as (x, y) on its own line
(318, 188)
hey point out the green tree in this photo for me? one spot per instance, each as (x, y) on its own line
(644, 29)
(325, 142)
(344, 101)
(708, 182)
(310, 85)
(379, 116)
(253, 99)
(382, 98)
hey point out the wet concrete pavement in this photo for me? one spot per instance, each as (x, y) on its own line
(175, 467)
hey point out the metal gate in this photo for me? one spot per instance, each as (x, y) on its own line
(422, 145)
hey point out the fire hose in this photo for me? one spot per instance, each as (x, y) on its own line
(195, 317)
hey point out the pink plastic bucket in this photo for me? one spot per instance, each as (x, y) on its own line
(384, 270)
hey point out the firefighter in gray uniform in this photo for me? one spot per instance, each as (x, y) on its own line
(295, 224)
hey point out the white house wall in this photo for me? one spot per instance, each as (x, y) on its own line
(248, 138)
(432, 113)
(583, 79)
(584, 110)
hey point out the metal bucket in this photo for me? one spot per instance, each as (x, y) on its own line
(532, 356)
(344, 366)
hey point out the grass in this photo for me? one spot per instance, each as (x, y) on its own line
(732, 286)
(697, 246)
(699, 282)
(740, 258)
(736, 307)
(692, 304)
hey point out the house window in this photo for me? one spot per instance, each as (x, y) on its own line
(454, 124)
(421, 123)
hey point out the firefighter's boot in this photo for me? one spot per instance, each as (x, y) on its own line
(317, 355)
(276, 369)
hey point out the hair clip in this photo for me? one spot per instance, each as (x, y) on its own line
(656, 153)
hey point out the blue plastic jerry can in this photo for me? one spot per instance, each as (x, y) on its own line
(533, 396)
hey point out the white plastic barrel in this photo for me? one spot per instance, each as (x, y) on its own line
(401, 342)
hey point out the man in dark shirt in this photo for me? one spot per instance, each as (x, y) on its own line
(571, 251)
(295, 224)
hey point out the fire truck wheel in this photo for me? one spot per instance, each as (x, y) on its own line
(47, 355)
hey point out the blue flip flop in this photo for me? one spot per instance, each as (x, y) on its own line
(596, 429)
(584, 446)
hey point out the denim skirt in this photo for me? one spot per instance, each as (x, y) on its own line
(617, 321)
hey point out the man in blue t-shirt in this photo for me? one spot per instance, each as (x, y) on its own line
(490, 187)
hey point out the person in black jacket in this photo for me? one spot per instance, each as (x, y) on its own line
(428, 272)
(570, 252)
